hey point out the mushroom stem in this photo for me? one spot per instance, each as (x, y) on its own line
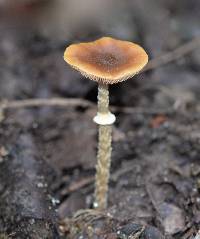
(103, 99)
(104, 150)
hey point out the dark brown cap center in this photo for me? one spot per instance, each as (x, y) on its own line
(107, 61)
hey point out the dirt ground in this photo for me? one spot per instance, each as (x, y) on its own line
(155, 175)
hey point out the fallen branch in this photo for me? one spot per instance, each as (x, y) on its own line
(44, 102)
(75, 186)
(173, 55)
(78, 185)
(72, 102)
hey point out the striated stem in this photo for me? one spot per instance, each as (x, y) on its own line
(103, 99)
(104, 151)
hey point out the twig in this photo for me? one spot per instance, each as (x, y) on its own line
(66, 102)
(189, 234)
(173, 55)
(78, 185)
(45, 102)
(75, 186)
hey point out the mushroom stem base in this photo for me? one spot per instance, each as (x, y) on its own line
(103, 166)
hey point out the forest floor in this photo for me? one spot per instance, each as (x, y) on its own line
(48, 153)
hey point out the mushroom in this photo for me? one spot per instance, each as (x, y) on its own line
(106, 61)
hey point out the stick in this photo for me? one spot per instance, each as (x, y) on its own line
(45, 102)
(67, 102)
(173, 55)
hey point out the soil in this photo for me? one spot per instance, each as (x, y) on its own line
(155, 175)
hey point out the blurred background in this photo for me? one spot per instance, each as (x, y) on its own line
(34, 34)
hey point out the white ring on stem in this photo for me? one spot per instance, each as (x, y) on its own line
(104, 119)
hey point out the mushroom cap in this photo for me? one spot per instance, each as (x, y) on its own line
(106, 60)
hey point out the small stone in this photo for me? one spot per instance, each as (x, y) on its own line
(151, 233)
(32, 221)
(3, 154)
(197, 236)
(3, 151)
(173, 219)
(72, 204)
(111, 236)
(40, 185)
(55, 201)
(128, 230)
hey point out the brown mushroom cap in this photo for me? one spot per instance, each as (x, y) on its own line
(106, 60)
